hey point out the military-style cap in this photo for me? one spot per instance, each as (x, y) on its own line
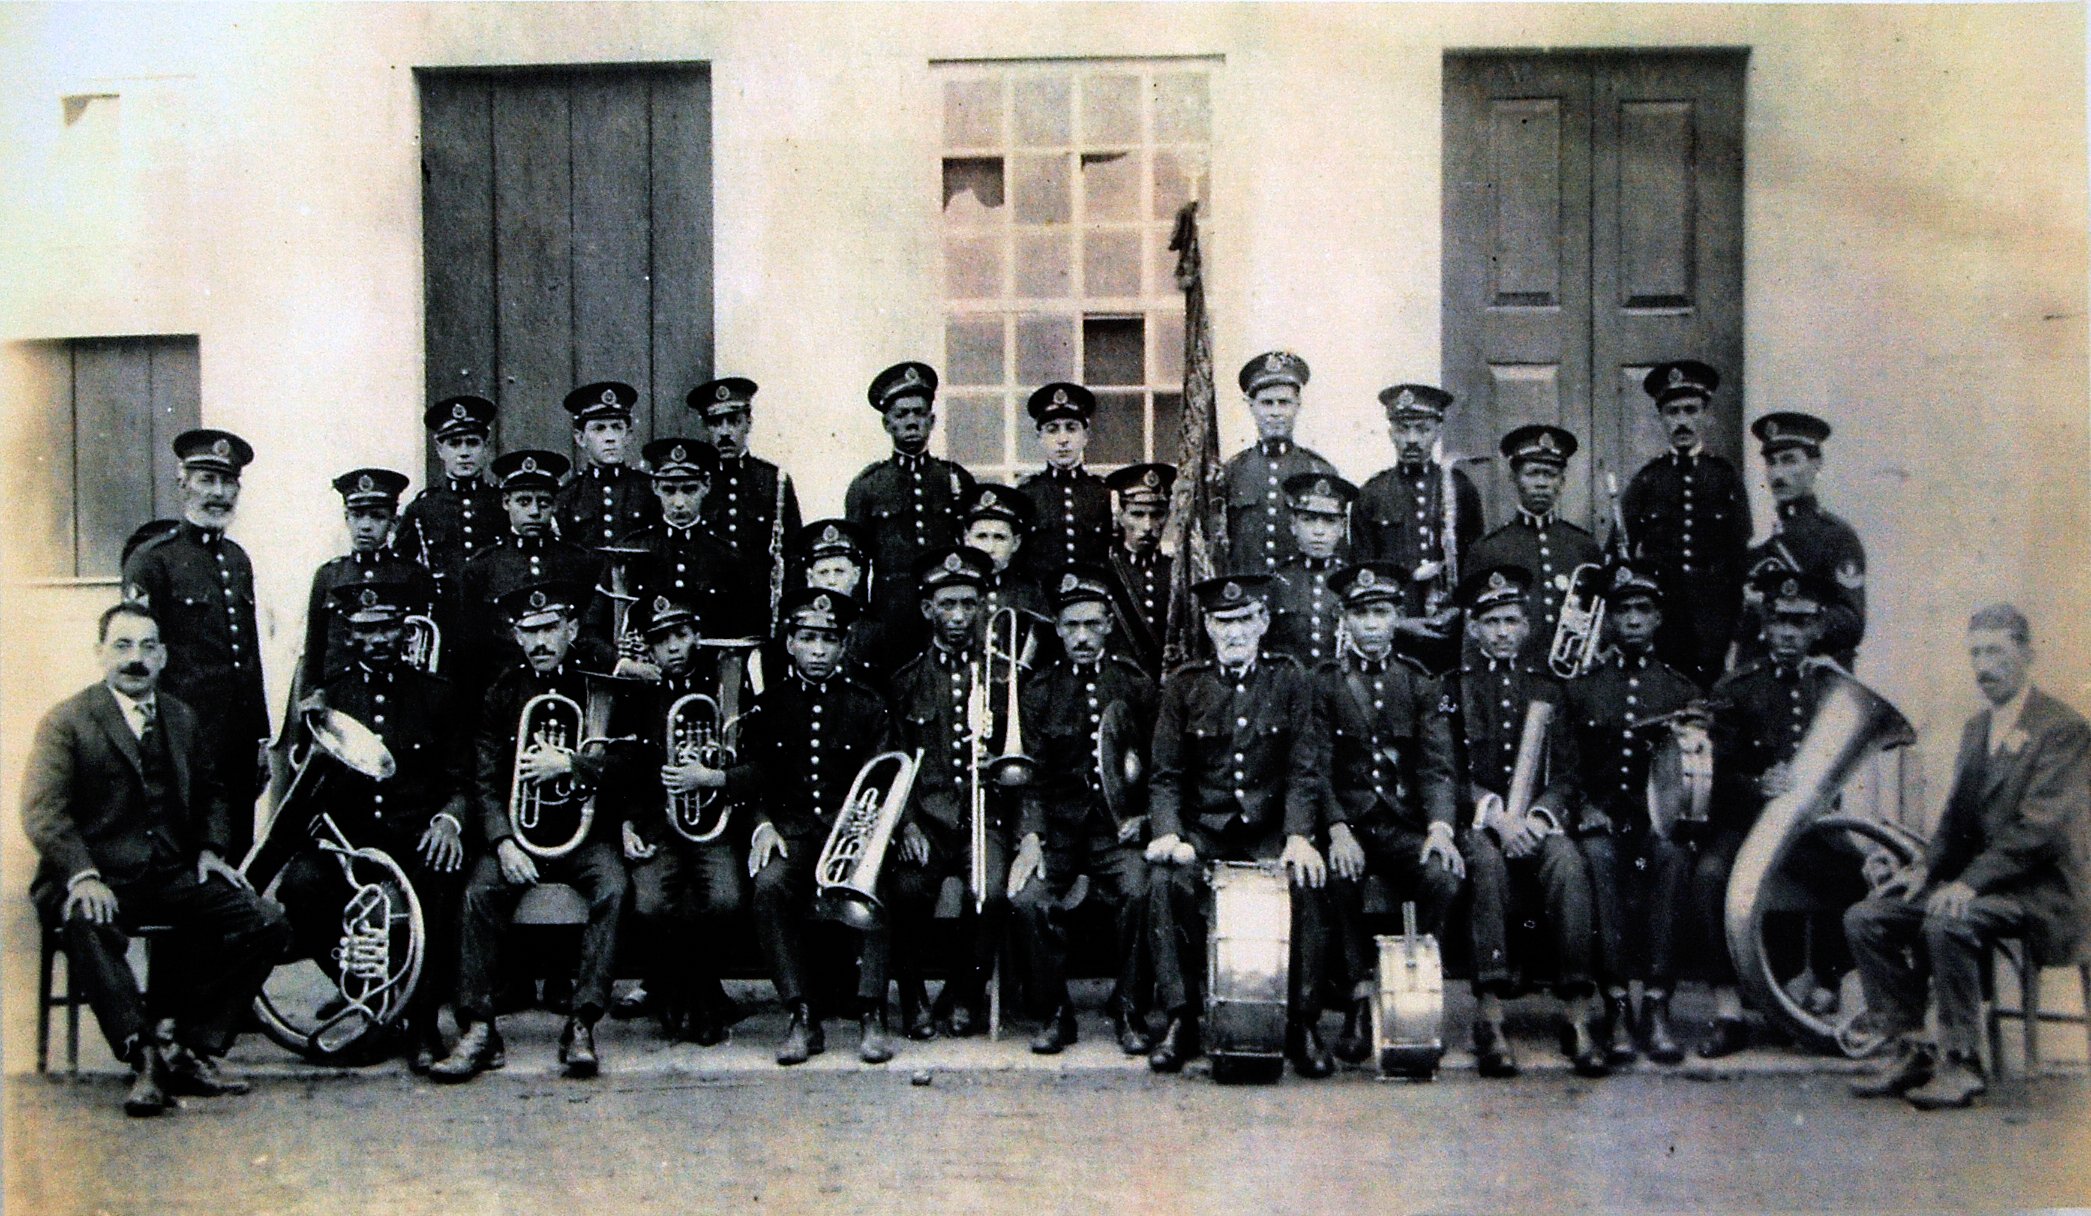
(1786, 429)
(1680, 378)
(208, 449)
(1628, 583)
(530, 469)
(1482, 590)
(1232, 595)
(828, 538)
(1369, 582)
(664, 612)
(952, 565)
(376, 600)
(988, 501)
(1143, 482)
(675, 457)
(458, 416)
(603, 399)
(530, 605)
(726, 395)
(360, 486)
(1539, 443)
(1319, 493)
(817, 608)
(1415, 401)
(1082, 582)
(1061, 400)
(908, 379)
(1273, 367)
(1788, 594)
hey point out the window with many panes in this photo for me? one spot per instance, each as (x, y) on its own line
(1062, 181)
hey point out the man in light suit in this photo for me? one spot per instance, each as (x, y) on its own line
(2008, 860)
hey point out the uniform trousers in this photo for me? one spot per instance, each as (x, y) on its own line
(1117, 880)
(783, 899)
(915, 891)
(1639, 886)
(1551, 886)
(684, 899)
(1901, 949)
(1178, 917)
(596, 870)
(1395, 852)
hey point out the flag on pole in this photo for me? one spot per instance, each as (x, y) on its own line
(1197, 528)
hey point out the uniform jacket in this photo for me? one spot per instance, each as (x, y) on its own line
(486, 644)
(1389, 745)
(1761, 714)
(731, 594)
(1699, 503)
(639, 728)
(449, 522)
(1142, 595)
(1813, 541)
(1259, 523)
(416, 715)
(1063, 705)
(906, 505)
(598, 504)
(741, 508)
(1485, 702)
(1400, 517)
(801, 747)
(1550, 548)
(200, 585)
(494, 747)
(929, 712)
(1073, 522)
(1304, 612)
(1237, 753)
(327, 647)
(1600, 764)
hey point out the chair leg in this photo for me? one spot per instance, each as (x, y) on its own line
(73, 1000)
(1993, 1015)
(43, 1002)
(2029, 1007)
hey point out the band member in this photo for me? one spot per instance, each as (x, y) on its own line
(459, 514)
(1537, 539)
(1688, 524)
(1388, 808)
(1258, 535)
(528, 551)
(998, 522)
(906, 504)
(1423, 515)
(1304, 607)
(544, 618)
(683, 560)
(370, 504)
(1639, 880)
(606, 497)
(1068, 831)
(802, 746)
(199, 584)
(1761, 713)
(131, 828)
(2005, 861)
(752, 504)
(1236, 745)
(1806, 539)
(417, 816)
(830, 555)
(1137, 561)
(1073, 506)
(1520, 869)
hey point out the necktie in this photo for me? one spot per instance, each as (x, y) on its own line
(148, 722)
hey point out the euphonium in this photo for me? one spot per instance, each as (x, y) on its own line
(846, 877)
(422, 648)
(1581, 625)
(548, 817)
(695, 733)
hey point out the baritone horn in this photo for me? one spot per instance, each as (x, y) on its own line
(549, 817)
(846, 877)
(1580, 628)
(696, 732)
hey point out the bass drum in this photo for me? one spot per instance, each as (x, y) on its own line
(343, 1009)
(1248, 947)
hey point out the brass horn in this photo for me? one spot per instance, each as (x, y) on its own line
(1581, 625)
(1011, 766)
(1121, 771)
(694, 731)
(846, 876)
(548, 817)
(422, 646)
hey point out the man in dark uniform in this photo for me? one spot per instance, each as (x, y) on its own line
(1522, 867)
(527, 551)
(1235, 777)
(752, 504)
(1068, 831)
(1141, 568)
(1424, 515)
(417, 815)
(199, 583)
(1639, 881)
(1389, 803)
(606, 497)
(1304, 607)
(1806, 540)
(1258, 537)
(999, 523)
(544, 618)
(370, 503)
(831, 555)
(906, 504)
(1536, 539)
(457, 515)
(1072, 519)
(682, 559)
(802, 746)
(1687, 519)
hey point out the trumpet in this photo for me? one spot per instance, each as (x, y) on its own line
(422, 647)
(1581, 626)
(547, 817)
(846, 877)
(695, 732)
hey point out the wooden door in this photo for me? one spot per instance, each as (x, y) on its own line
(1593, 227)
(567, 235)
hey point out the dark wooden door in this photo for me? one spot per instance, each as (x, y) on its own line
(567, 232)
(1593, 228)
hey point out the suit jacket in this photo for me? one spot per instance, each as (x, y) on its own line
(2018, 822)
(83, 794)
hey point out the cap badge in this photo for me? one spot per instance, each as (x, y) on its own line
(459, 412)
(724, 394)
(529, 464)
(1546, 441)
(987, 499)
(1232, 591)
(1321, 487)
(1623, 577)
(660, 604)
(609, 396)
(1366, 578)
(365, 485)
(368, 598)
(1405, 400)
(1791, 588)
(1151, 479)
(823, 604)
(1275, 361)
(678, 453)
(537, 599)
(1676, 376)
(954, 563)
(830, 534)
(1771, 428)
(1059, 396)
(223, 447)
(1496, 581)
(908, 375)
(1068, 582)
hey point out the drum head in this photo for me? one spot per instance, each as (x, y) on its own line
(350, 742)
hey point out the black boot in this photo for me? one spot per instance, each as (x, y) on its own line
(195, 1076)
(798, 1036)
(1130, 1026)
(1657, 1039)
(1619, 1031)
(146, 1098)
(1909, 1066)
(1178, 1044)
(876, 1047)
(1310, 1056)
(1057, 1033)
(1492, 1051)
(963, 1000)
(577, 1049)
(1579, 1042)
(1354, 1045)
(917, 1020)
(1728, 1036)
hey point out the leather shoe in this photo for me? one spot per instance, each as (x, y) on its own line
(1956, 1084)
(636, 1002)
(1728, 1036)
(1656, 1037)
(1056, 1034)
(876, 1047)
(473, 1054)
(1492, 1051)
(1310, 1056)
(1178, 1043)
(1354, 1045)
(916, 1019)
(798, 1036)
(1910, 1065)
(1619, 1031)
(577, 1049)
(146, 1098)
(1134, 1039)
(194, 1076)
(1585, 1056)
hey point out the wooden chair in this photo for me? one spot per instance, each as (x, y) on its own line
(72, 1000)
(2028, 1012)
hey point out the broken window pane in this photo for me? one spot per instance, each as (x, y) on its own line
(1182, 113)
(973, 351)
(972, 267)
(1045, 349)
(1110, 185)
(1168, 426)
(1041, 185)
(1041, 111)
(972, 113)
(1114, 350)
(972, 189)
(973, 428)
(1179, 177)
(1111, 110)
(1111, 262)
(1118, 434)
(1044, 265)
(1166, 332)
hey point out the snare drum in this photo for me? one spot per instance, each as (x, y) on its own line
(1408, 1012)
(1248, 945)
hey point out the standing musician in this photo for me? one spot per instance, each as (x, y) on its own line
(830, 555)
(1140, 568)
(131, 828)
(606, 497)
(1235, 777)
(1068, 831)
(1537, 540)
(1388, 803)
(199, 584)
(906, 504)
(417, 816)
(1688, 524)
(1073, 505)
(370, 504)
(1424, 515)
(1304, 607)
(458, 515)
(802, 746)
(1258, 537)
(1639, 881)
(544, 618)
(2007, 860)
(753, 505)
(683, 559)
(1521, 869)
(1806, 539)
(998, 521)
(528, 551)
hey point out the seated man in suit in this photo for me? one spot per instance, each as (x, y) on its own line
(2007, 860)
(130, 823)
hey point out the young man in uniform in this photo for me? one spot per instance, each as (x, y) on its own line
(1424, 515)
(1304, 605)
(1258, 535)
(1071, 505)
(1805, 540)
(1536, 539)
(1140, 569)
(606, 497)
(458, 514)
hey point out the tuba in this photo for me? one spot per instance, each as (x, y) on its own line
(550, 818)
(422, 648)
(1580, 628)
(846, 876)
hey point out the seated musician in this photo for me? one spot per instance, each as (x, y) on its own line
(1068, 831)
(129, 823)
(2007, 859)
(1390, 808)
(801, 747)
(544, 621)
(1234, 779)
(1522, 868)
